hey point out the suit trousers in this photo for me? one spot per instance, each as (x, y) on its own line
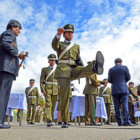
(118, 100)
(6, 80)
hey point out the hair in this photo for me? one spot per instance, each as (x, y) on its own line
(130, 83)
(13, 23)
(118, 60)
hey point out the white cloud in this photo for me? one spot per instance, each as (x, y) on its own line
(101, 32)
(114, 41)
(36, 39)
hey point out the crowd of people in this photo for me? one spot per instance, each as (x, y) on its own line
(55, 81)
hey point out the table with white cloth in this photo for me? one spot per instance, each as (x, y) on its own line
(77, 107)
(17, 101)
(136, 109)
(101, 109)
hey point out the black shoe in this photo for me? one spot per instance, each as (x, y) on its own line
(3, 126)
(108, 123)
(94, 124)
(64, 125)
(129, 124)
(59, 123)
(49, 124)
(136, 123)
(32, 123)
(98, 64)
(69, 124)
(87, 124)
(120, 124)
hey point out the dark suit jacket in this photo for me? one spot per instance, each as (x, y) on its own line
(119, 76)
(9, 53)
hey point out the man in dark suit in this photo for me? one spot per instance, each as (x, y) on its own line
(9, 65)
(119, 76)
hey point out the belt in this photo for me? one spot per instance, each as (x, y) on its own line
(51, 83)
(71, 62)
(105, 95)
(31, 96)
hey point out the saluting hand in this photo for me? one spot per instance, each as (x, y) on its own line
(60, 31)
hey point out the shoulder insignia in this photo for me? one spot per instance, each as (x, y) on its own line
(14, 44)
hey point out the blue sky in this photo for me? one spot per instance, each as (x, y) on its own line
(112, 26)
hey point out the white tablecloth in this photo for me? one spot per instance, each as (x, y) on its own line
(100, 108)
(77, 107)
(55, 115)
(17, 101)
(136, 109)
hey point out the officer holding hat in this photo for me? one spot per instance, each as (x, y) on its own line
(49, 88)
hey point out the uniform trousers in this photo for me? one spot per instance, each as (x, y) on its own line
(65, 89)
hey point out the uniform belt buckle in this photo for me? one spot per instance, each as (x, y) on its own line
(70, 62)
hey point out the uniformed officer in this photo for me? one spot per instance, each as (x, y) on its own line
(70, 67)
(138, 90)
(49, 88)
(132, 97)
(91, 92)
(32, 95)
(9, 65)
(105, 92)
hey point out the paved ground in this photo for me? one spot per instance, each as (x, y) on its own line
(41, 132)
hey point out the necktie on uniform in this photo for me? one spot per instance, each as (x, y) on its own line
(67, 42)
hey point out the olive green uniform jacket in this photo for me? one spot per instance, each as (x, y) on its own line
(106, 95)
(91, 85)
(64, 70)
(33, 96)
(48, 88)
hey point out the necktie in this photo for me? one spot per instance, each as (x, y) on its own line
(67, 42)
